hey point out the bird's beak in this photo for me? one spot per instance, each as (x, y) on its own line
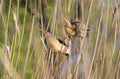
(43, 31)
(67, 22)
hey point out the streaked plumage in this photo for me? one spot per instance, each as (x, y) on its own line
(77, 30)
(54, 44)
(70, 30)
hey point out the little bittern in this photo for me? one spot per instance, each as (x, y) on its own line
(56, 45)
(75, 28)
(70, 30)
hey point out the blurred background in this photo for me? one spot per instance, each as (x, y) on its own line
(24, 53)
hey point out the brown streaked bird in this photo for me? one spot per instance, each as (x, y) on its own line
(70, 30)
(75, 28)
(56, 45)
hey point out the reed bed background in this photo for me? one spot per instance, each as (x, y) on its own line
(24, 53)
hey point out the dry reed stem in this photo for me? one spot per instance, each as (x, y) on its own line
(17, 33)
(28, 50)
(22, 34)
(116, 66)
(77, 65)
(58, 65)
(45, 68)
(1, 8)
(95, 49)
(7, 64)
(113, 52)
(6, 30)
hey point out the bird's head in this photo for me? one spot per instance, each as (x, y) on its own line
(43, 31)
(68, 24)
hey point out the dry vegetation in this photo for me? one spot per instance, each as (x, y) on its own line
(24, 53)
